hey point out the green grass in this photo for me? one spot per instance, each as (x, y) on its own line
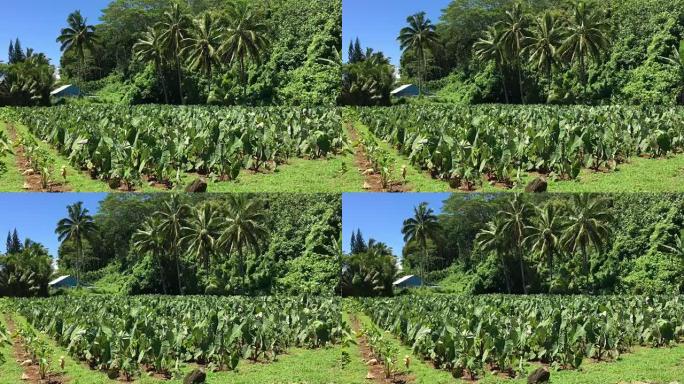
(11, 179)
(298, 176)
(10, 370)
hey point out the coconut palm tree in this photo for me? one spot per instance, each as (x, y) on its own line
(172, 218)
(244, 38)
(174, 30)
(419, 36)
(201, 233)
(588, 226)
(77, 226)
(544, 234)
(201, 48)
(513, 36)
(243, 229)
(150, 238)
(150, 48)
(543, 43)
(494, 238)
(586, 37)
(78, 37)
(491, 47)
(515, 218)
(422, 226)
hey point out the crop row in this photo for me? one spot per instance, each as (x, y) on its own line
(465, 144)
(467, 335)
(126, 335)
(126, 145)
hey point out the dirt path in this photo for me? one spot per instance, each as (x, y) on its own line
(372, 180)
(376, 373)
(31, 369)
(32, 178)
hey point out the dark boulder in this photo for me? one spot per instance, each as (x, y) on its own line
(195, 377)
(541, 375)
(197, 186)
(537, 185)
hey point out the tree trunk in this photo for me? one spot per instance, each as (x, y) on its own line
(503, 82)
(522, 271)
(549, 260)
(79, 251)
(520, 84)
(160, 73)
(180, 79)
(178, 272)
(425, 257)
(161, 273)
(242, 77)
(506, 277)
(241, 270)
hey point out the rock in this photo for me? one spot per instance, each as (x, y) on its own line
(537, 185)
(28, 172)
(370, 376)
(372, 362)
(366, 185)
(26, 186)
(24, 376)
(26, 363)
(197, 186)
(195, 377)
(541, 375)
(113, 374)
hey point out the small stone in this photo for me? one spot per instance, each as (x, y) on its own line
(26, 363)
(372, 362)
(199, 185)
(540, 375)
(537, 185)
(27, 186)
(366, 185)
(28, 172)
(24, 376)
(195, 377)
(370, 376)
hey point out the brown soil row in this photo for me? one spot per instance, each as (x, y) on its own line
(31, 372)
(372, 180)
(32, 182)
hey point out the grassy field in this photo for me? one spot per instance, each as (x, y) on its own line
(637, 175)
(642, 365)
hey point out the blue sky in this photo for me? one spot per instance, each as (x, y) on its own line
(37, 23)
(378, 22)
(380, 215)
(35, 215)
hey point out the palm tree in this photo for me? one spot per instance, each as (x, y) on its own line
(588, 226)
(172, 217)
(150, 238)
(515, 219)
(513, 36)
(422, 226)
(544, 234)
(494, 238)
(586, 37)
(243, 229)
(677, 61)
(244, 38)
(78, 37)
(150, 47)
(419, 36)
(78, 225)
(174, 29)
(201, 48)
(491, 47)
(542, 45)
(201, 233)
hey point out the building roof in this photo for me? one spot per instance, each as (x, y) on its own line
(59, 279)
(403, 279)
(61, 89)
(402, 88)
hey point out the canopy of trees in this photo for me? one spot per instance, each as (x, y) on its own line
(27, 78)
(25, 268)
(512, 51)
(206, 51)
(213, 244)
(556, 244)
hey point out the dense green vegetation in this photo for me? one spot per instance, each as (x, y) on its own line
(468, 146)
(162, 333)
(469, 336)
(607, 244)
(281, 52)
(128, 145)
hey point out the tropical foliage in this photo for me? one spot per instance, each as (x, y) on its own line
(469, 336)
(467, 145)
(129, 145)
